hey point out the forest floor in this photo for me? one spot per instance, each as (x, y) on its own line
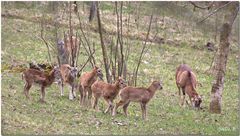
(20, 44)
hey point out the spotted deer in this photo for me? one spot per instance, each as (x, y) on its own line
(31, 76)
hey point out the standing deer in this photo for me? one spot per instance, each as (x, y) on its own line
(137, 94)
(186, 80)
(68, 76)
(107, 91)
(39, 77)
(67, 52)
(86, 81)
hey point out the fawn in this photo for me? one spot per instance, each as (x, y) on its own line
(39, 77)
(107, 91)
(137, 94)
(86, 81)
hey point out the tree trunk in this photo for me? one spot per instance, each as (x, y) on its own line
(221, 60)
(104, 50)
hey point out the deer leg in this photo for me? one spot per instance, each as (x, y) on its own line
(81, 94)
(26, 90)
(120, 103)
(89, 96)
(180, 97)
(142, 108)
(70, 93)
(144, 111)
(42, 95)
(111, 108)
(125, 106)
(110, 104)
(183, 99)
(84, 96)
(60, 84)
(95, 103)
(74, 92)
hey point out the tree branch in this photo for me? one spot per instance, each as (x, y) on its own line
(89, 58)
(143, 49)
(46, 43)
(214, 12)
(196, 6)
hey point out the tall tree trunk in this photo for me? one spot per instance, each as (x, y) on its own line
(222, 55)
(104, 50)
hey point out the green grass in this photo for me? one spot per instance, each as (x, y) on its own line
(62, 116)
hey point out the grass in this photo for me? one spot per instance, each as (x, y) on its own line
(62, 116)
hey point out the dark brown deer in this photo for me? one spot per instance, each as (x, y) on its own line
(39, 77)
(107, 91)
(68, 76)
(137, 94)
(86, 81)
(186, 80)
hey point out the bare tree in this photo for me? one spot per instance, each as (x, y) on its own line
(104, 50)
(231, 12)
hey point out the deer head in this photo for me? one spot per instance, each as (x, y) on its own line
(99, 72)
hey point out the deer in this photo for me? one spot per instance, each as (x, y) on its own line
(68, 76)
(187, 82)
(107, 91)
(71, 50)
(67, 50)
(141, 95)
(39, 77)
(86, 81)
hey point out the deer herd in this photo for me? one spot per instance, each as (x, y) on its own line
(92, 87)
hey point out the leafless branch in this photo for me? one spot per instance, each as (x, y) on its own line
(89, 58)
(143, 49)
(197, 6)
(93, 61)
(46, 43)
(214, 12)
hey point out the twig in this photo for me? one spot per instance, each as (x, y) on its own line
(215, 11)
(50, 60)
(85, 38)
(207, 7)
(89, 57)
(143, 49)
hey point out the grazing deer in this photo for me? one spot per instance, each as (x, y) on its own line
(133, 94)
(68, 76)
(107, 91)
(86, 81)
(39, 77)
(186, 80)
